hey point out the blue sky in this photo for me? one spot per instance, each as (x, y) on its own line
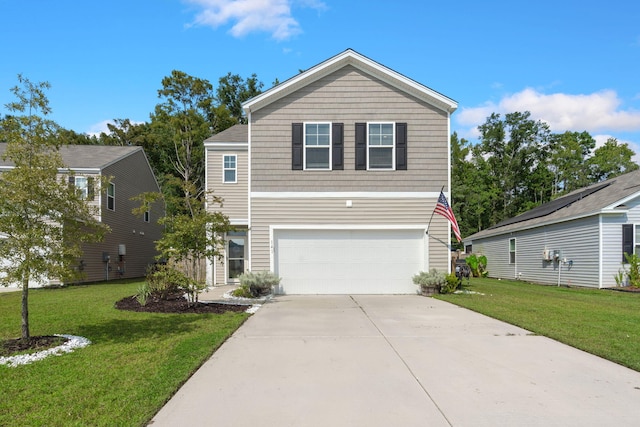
(574, 64)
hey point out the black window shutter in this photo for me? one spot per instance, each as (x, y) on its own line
(627, 240)
(401, 146)
(361, 146)
(72, 180)
(337, 141)
(297, 138)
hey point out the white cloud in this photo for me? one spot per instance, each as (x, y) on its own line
(97, 128)
(101, 127)
(272, 16)
(595, 112)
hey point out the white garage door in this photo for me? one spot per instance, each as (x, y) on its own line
(348, 261)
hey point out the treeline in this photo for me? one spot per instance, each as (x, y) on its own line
(189, 111)
(519, 164)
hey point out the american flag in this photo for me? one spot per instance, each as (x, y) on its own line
(443, 208)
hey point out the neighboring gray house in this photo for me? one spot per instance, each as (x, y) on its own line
(129, 248)
(332, 182)
(577, 240)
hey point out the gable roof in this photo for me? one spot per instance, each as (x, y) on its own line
(362, 63)
(604, 197)
(236, 134)
(85, 156)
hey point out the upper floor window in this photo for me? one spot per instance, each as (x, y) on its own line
(230, 169)
(84, 185)
(111, 196)
(317, 146)
(380, 145)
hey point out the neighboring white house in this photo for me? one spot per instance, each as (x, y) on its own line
(129, 248)
(577, 240)
(332, 182)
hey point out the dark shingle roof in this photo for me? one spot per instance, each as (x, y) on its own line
(586, 201)
(86, 156)
(235, 134)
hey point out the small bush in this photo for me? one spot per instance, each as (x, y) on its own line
(259, 283)
(430, 281)
(451, 284)
(478, 265)
(631, 275)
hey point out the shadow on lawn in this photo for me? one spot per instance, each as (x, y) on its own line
(131, 330)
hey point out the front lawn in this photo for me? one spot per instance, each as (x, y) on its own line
(602, 322)
(135, 363)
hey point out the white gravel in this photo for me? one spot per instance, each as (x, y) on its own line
(23, 359)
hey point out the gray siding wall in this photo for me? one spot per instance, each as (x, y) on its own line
(577, 240)
(612, 241)
(235, 196)
(333, 211)
(131, 177)
(348, 96)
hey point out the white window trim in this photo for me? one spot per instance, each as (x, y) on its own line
(393, 147)
(224, 169)
(304, 146)
(111, 185)
(146, 216)
(515, 250)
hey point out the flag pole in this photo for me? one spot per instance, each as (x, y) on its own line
(434, 211)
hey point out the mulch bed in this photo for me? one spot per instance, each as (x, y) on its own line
(625, 289)
(33, 344)
(176, 304)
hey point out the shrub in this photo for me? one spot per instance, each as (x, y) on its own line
(259, 283)
(430, 282)
(478, 265)
(166, 280)
(630, 277)
(451, 284)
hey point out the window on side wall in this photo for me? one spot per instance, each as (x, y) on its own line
(317, 146)
(111, 196)
(229, 169)
(512, 251)
(638, 239)
(84, 185)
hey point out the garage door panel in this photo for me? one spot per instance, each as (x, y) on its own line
(348, 261)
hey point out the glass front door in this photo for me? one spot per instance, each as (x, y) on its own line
(236, 244)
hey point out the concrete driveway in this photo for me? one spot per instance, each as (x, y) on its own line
(398, 361)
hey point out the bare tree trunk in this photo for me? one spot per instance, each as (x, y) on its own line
(25, 308)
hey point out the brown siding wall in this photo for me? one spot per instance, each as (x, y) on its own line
(131, 177)
(349, 96)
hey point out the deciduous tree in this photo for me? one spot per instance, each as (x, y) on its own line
(43, 220)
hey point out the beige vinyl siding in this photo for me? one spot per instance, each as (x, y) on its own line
(235, 196)
(383, 212)
(349, 96)
(131, 176)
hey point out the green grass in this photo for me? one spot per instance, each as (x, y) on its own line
(602, 322)
(135, 363)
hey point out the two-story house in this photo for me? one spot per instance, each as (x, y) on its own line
(129, 248)
(332, 182)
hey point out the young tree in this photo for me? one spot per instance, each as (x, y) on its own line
(43, 219)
